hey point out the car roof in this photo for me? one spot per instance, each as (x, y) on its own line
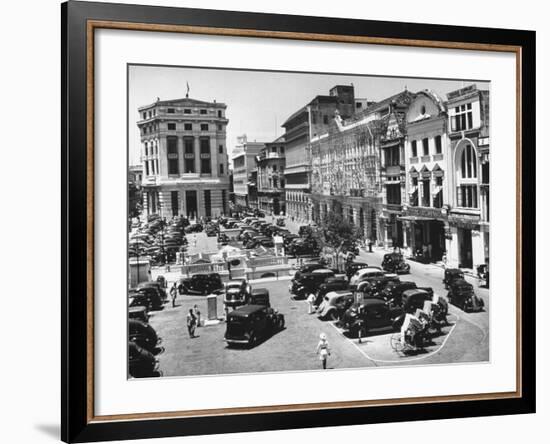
(257, 291)
(368, 270)
(337, 293)
(246, 310)
(322, 271)
(373, 301)
(414, 291)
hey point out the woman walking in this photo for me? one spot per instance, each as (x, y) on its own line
(323, 350)
(191, 323)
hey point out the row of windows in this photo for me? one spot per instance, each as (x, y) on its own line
(153, 113)
(425, 143)
(189, 127)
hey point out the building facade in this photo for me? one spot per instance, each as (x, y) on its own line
(244, 166)
(184, 157)
(306, 123)
(427, 164)
(469, 215)
(270, 177)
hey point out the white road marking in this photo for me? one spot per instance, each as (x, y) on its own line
(374, 360)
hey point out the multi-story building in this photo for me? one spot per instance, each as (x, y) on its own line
(184, 157)
(469, 215)
(270, 177)
(427, 164)
(306, 123)
(244, 163)
(347, 174)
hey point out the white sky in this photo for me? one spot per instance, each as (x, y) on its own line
(258, 102)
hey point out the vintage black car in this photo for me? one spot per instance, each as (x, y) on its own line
(143, 335)
(371, 314)
(303, 247)
(393, 291)
(330, 284)
(308, 267)
(141, 363)
(138, 312)
(412, 300)
(250, 323)
(395, 263)
(452, 274)
(260, 296)
(353, 266)
(461, 294)
(200, 284)
(307, 283)
(147, 297)
(237, 293)
(194, 228)
(155, 284)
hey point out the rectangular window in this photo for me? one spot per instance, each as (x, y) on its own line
(325, 120)
(219, 128)
(172, 154)
(393, 194)
(187, 111)
(205, 156)
(425, 147)
(438, 148)
(426, 193)
(171, 126)
(463, 118)
(170, 110)
(221, 168)
(414, 152)
(219, 113)
(207, 204)
(467, 196)
(175, 202)
(220, 149)
(188, 126)
(203, 111)
(392, 156)
(189, 155)
(485, 173)
(146, 168)
(204, 126)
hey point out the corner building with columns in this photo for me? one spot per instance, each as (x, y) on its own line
(184, 157)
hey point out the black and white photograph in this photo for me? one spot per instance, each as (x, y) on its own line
(291, 221)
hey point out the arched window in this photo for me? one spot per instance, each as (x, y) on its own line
(468, 163)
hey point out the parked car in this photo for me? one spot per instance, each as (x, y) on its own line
(335, 303)
(413, 299)
(393, 291)
(395, 263)
(377, 283)
(141, 363)
(237, 293)
(193, 228)
(353, 266)
(370, 315)
(303, 247)
(330, 284)
(138, 312)
(143, 335)
(251, 323)
(147, 297)
(200, 284)
(259, 296)
(307, 283)
(461, 294)
(157, 285)
(364, 274)
(452, 274)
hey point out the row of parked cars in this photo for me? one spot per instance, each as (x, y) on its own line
(143, 341)
(366, 298)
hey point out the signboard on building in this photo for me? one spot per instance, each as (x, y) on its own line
(467, 221)
(429, 213)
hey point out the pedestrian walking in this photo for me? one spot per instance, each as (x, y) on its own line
(311, 302)
(191, 323)
(174, 294)
(197, 314)
(323, 350)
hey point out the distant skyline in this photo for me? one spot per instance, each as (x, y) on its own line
(258, 102)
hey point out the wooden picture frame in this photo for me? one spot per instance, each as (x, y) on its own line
(79, 22)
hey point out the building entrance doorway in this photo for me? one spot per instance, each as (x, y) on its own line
(191, 203)
(465, 248)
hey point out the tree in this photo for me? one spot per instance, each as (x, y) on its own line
(338, 233)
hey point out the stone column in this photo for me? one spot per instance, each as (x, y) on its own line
(197, 154)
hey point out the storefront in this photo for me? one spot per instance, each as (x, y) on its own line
(424, 233)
